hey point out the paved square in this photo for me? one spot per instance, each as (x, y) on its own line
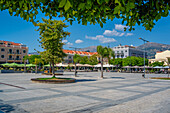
(116, 93)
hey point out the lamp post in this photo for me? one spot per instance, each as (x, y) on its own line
(144, 54)
(75, 70)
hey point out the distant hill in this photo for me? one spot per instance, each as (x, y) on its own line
(90, 48)
(151, 48)
(34, 53)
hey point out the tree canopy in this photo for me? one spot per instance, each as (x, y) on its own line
(51, 36)
(132, 12)
(93, 60)
(157, 64)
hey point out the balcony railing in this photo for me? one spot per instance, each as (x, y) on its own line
(14, 58)
(19, 53)
(14, 46)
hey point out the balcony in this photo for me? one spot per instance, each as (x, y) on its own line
(14, 46)
(18, 59)
(18, 53)
(10, 58)
(11, 53)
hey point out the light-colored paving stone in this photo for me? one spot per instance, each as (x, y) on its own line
(59, 104)
(116, 93)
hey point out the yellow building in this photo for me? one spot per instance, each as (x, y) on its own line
(12, 52)
(161, 56)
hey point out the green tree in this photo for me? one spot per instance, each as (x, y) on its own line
(103, 52)
(111, 56)
(84, 60)
(76, 59)
(51, 35)
(132, 12)
(31, 58)
(157, 64)
(118, 62)
(37, 61)
(93, 60)
(134, 61)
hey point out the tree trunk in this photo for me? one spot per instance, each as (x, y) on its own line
(53, 71)
(50, 68)
(36, 69)
(75, 71)
(102, 67)
(24, 67)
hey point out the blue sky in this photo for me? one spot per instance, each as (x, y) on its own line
(17, 30)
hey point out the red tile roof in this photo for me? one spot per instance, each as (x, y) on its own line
(12, 43)
(79, 52)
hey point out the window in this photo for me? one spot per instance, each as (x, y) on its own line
(117, 51)
(17, 51)
(2, 56)
(125, 50)
(121, 51)
(24, 51)
(10, 50)
(2, 49)
(10, 57)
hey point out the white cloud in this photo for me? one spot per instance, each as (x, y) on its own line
(64, 41)
(101, 38)
(78, 41)
(112, 33)
(129, 34)
(121, 34)
(120, 27)
(69, 44)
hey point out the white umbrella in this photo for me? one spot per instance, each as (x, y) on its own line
(158, 67)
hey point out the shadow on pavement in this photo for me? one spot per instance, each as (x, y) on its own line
(118, 77)
(85, 80)
(5, 108)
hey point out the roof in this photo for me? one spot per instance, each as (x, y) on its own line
(159, 52)
(12, 43)
(79, 52)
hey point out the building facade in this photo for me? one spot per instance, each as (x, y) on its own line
(11, 52)
(70, 53)
(161, 56)
(128, 51)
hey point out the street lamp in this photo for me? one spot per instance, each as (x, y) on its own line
(144, 54)
(75, 71)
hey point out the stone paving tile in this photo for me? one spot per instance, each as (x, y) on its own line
(111, 94)
(60, 104)
(104, 85)
(138, 88)
(118, 92)
(147, 104)
(75, 88)
(25, 94)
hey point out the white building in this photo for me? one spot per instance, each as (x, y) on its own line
(161, 56)
(125, 51)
